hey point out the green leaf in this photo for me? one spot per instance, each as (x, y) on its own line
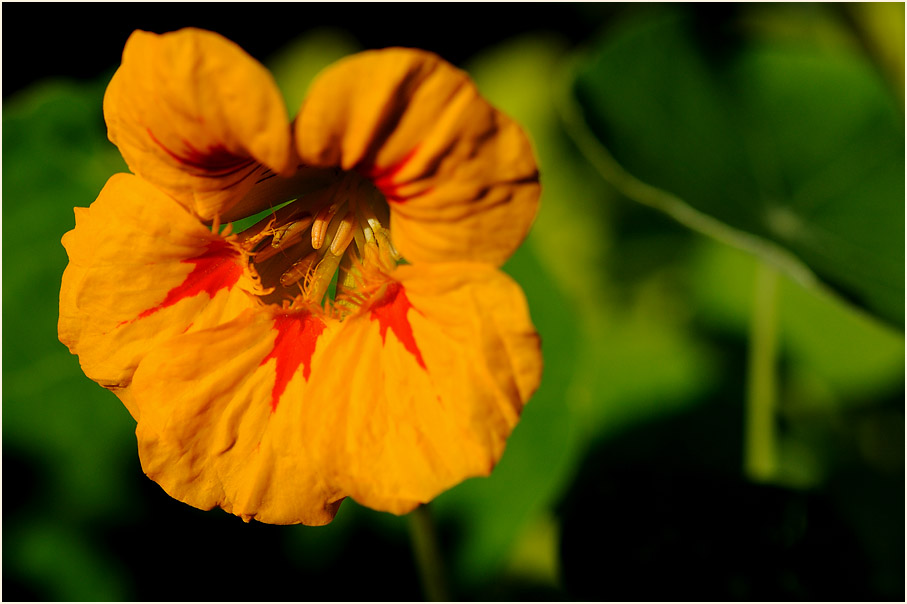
(608, 364)
(789, 150)
(848, 356)
(840, 369)
(56, 157)
(296, 65)
(491, 513)
(77, 436)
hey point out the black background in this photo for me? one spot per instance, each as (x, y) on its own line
(86, 40)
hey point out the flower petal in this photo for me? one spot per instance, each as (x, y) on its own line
(195, 115)
(424, 387)
(460, 176)
(141, 270)
(210, 433)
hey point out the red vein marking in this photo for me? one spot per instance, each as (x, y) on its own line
(384, 178)
(297, 335)
(216, 162)
(390, 312)
(215, 269)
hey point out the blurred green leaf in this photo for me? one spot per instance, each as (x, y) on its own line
(613, 357)
(71, 435)
(880, 29)
(296, 65)
(837, 365)
(490, 514)
(791, 151)
(66, 565)
(634, 355)
(57, 157)
(852, 356)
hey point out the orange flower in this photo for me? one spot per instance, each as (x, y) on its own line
(275, 371)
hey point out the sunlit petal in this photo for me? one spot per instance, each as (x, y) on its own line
(460, 176)
(210, 435)
(196, 116)
(141, 270)
(422, 389)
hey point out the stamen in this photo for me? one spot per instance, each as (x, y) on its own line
(251, 237)
(368, 216)
(344, 234)
(266, 253)
(346, 294)
(299, 270)
(321, 278)
(265, 227)
(289, 257)
(322, 220)
(388, 255)
(393, 249)
(291, 233)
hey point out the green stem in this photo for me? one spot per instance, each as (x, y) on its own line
(594, 151)
(760, 456)
(428, 557)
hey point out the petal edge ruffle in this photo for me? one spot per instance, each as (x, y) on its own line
(425, 386)
(195, 115)
(141, 270)
(210, 437)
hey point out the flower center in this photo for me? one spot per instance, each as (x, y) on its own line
(337, 232)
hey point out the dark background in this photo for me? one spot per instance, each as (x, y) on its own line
(655, 510)
(84, 40)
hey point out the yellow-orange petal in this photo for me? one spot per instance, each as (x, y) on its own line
(141, 270)
(195, 115)
(460, 177)
(421, 390)
(221, 421)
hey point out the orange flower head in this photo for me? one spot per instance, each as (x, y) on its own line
(359, 339)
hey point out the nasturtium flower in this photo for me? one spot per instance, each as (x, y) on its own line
(359, 340)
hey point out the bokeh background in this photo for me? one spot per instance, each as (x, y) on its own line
(721, 240)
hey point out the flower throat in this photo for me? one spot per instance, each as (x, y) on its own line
(339, 231)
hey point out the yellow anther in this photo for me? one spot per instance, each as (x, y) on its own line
(299, 270)
(321, 222)
(350, 210)
(291, 232)
(264, 228)
(344, 234)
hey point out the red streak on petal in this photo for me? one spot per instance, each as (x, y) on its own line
(216, 161)
(297, 335)
(391, 313)
(384, 178)
(214, 269)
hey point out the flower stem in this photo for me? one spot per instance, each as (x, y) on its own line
(428, 557)
(760, 457)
